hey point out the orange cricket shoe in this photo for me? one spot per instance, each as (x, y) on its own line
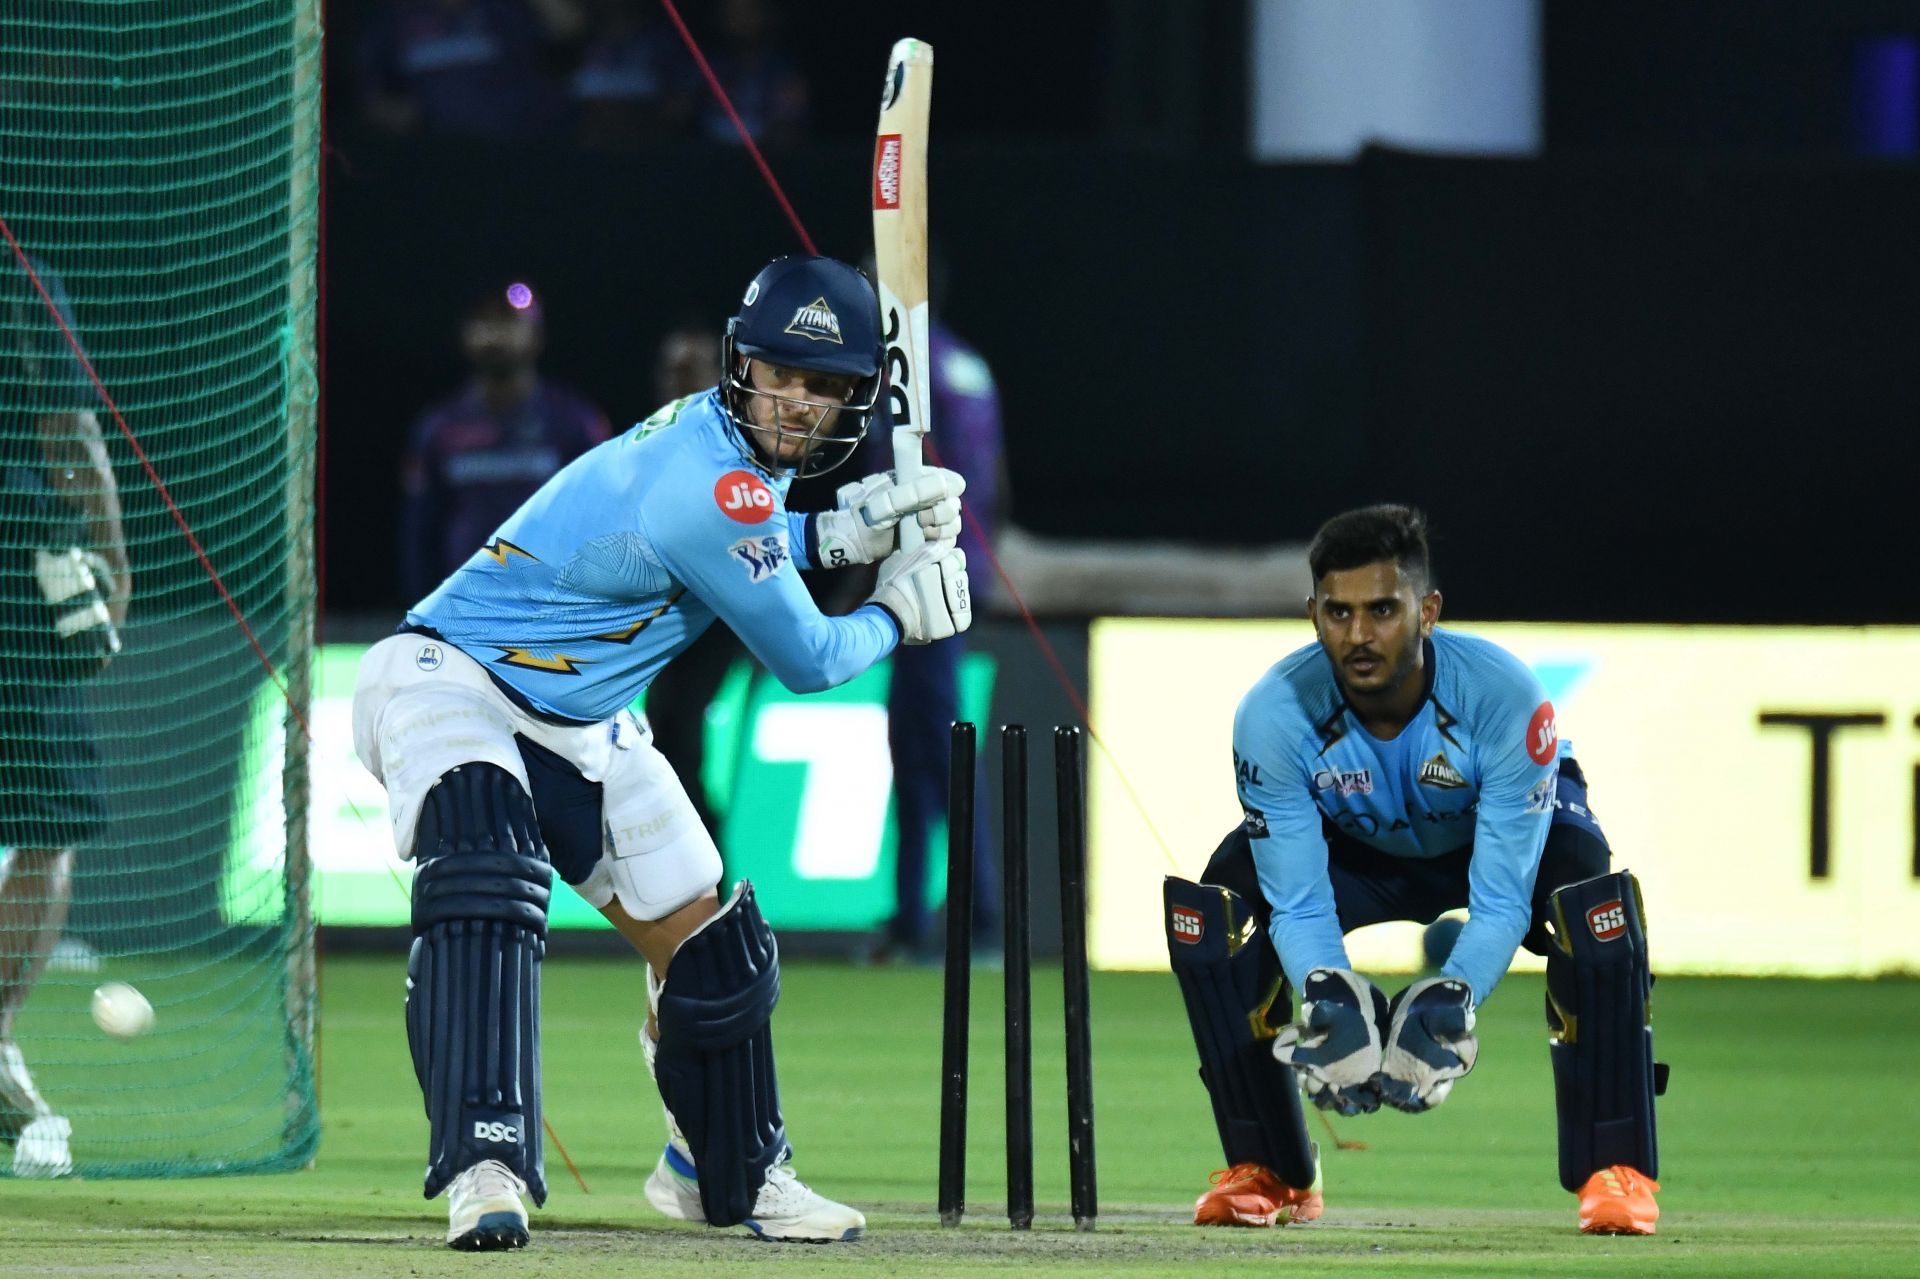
(1618, 1201)
(1250, 1195)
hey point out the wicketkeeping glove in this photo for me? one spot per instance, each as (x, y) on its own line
(1335, 1045)
(1430, 1043)
(863, 525)
(925, 590)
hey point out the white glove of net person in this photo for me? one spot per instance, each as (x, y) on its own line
(75, 583)
(1336, 1043)
(1430, 1043)
(926, 591)
(864, 524)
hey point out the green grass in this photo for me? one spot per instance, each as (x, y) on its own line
(1789, 1140)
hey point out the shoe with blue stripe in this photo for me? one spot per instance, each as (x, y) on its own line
(787, 1211)
(484, 1213)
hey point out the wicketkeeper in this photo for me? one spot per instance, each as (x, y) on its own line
(1393, 770)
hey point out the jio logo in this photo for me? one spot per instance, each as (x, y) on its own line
(743, 497)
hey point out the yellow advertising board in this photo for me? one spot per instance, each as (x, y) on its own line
(1763, 783)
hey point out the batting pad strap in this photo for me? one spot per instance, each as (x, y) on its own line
(1230, 980)
(1598, 986)
(715, 1060)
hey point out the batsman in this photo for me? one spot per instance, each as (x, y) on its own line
(1393, 770)
(499, 721)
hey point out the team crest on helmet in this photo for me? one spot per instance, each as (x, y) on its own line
(816, 321)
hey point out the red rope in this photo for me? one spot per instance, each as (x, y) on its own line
(1033, 626)
(726, 104)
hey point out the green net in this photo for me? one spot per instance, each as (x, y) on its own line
(158, 184)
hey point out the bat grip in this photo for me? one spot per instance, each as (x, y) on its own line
(906, 467)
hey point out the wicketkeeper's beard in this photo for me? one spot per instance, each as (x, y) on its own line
(1398, 673)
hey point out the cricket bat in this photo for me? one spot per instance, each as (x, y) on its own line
(900, 251)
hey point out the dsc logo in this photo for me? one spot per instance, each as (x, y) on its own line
(743, 497)
(495, 1131)
(1187, 925)
(1607, 920)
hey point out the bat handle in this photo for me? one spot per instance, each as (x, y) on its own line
(906, 467)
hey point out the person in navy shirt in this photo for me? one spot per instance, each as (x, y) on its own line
(473, 458)
(466, 68)
(65, 584)
(923, 694)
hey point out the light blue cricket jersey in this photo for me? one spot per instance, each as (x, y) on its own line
(1475, 765)
(624, 557)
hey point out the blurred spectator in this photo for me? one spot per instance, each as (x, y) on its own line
(472, 459)
(466, 68)
(923, 698)
(766, 87)
(688, 363)
(635, 82)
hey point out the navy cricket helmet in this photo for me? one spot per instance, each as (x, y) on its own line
(817, 314)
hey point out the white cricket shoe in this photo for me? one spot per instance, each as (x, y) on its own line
(483, 1209)
(41, 1139)
(787, 1210)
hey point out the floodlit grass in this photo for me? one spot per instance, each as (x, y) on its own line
(1789, 1140)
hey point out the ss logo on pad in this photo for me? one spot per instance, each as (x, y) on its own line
(1607, 920)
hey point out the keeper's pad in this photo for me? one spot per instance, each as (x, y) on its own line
(715, 1060)
(1231, 980)
(473, 977)
(1604, 1075)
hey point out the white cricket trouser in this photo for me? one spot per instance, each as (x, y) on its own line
(422, 708)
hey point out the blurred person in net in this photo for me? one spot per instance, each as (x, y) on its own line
(498, 720)
(634, 83)
(923, 693)
(685, 364)
(64, 588)
(473, 458)
(765, 85)
(467, 68)
(1394, 770)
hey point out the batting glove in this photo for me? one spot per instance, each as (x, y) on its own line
(863, 525)
(925, 591)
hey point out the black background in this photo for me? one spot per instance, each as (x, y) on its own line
(1665, 371)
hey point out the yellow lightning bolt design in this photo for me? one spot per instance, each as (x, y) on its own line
(499, 548)
(558, 664)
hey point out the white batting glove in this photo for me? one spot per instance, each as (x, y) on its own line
(926, 591)
(863, 525)
(76, 592)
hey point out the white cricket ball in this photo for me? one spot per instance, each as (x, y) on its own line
(121, 1011)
